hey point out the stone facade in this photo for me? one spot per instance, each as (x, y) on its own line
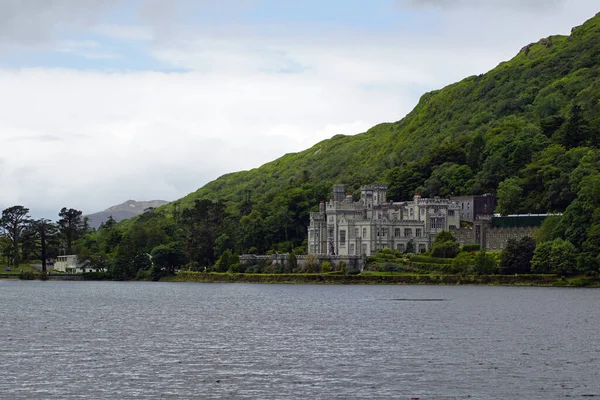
(344, 227)
(473, 207)
(492, 232)
(489, 237)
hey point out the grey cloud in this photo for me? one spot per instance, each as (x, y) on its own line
(36, 22)
(30, 22)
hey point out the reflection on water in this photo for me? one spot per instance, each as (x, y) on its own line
(63, 340)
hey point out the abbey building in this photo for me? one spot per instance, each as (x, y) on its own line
(344, 227)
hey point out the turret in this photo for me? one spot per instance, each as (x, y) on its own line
(338, 193)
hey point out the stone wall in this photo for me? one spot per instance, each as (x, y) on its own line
(353, 263)
(490, 238)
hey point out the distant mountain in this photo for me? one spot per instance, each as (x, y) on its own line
(126, 210)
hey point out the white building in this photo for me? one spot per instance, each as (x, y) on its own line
(70, 265)
(345, 227)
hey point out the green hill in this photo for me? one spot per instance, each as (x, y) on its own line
(527, 130)
(519, 109)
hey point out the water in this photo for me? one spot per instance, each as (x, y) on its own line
(113, 340)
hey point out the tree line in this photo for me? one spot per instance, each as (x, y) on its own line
(23, 238)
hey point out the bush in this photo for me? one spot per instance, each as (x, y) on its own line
(429, 260)
(142, 275)
(236, 268)
(326, 267)
(467, 248)
(445, 245)
(391, 267)
(27, 276)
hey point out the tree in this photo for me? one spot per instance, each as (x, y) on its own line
(14, 220)
(70, 225)
(445, 245)
(557, 257)
(540, 263)
(203, 224)
(222, 243)
(6, 247)
(563, 257)
(410, 247)
(448, 179)
(226, 260)
(484, 263)
(574, 131)
(168, 257)
(510, 195)
(44, 231)
(516, 256)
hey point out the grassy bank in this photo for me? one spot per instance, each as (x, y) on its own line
(17, 270)
(386, 278)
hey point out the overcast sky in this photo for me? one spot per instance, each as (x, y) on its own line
(105, 101)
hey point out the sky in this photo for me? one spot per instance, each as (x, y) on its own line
(109, 100)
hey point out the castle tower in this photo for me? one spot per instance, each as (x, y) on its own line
(339, 193)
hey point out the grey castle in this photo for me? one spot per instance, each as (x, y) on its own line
(344, 227)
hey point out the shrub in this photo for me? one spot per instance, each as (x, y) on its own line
(429, 259)
(326, 267)
(445, 245)
(142, 275)
(467, 248)
(27, 276)
(236, 268)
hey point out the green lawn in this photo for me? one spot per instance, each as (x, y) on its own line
(16, 270)
(378, 273)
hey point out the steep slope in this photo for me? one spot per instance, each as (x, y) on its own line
(125, 210)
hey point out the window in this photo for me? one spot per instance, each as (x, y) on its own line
(422, 248)
(397, 232)
(407, 232)
(364, 233)
(355, 232)
(365, 248)
(437, 223)
(451, 213)
(400, 246)
(418, 232)
(352, 249)
(342, 237)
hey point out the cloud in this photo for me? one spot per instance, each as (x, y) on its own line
(26, 23)
(160, 135)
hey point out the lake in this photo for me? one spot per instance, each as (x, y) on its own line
(121, 340)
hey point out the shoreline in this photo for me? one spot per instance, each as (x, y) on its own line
(415, 279)
(351, 279)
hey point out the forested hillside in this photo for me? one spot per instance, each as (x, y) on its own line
(529, 130)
